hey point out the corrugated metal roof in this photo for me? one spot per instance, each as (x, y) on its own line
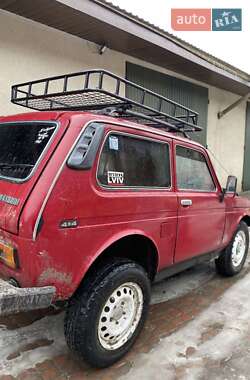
(184, 44)
(102, 22)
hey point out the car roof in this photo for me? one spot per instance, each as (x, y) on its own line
(135, 126)
(89, 116)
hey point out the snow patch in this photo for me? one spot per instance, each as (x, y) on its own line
(182, 283)
(229, 318)
(14, 341)
(51, 327)
(186, 348)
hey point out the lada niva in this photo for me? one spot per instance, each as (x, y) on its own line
(99, 197)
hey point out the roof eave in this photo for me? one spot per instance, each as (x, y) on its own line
(100, 22)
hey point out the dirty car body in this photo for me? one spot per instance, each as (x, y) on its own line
(60, 220)
(99, 197)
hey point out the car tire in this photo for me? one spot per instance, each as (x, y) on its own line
(106, 315)
(233, 257)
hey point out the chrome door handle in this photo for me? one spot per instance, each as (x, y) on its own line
(186, 202)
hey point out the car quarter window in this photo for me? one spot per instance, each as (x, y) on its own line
(129, 161)
(192, 171)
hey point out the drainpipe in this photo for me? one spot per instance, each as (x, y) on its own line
(233, 105)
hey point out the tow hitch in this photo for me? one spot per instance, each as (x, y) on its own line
(14, 300)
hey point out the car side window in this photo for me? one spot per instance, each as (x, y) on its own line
(128, 161)
(192, 171)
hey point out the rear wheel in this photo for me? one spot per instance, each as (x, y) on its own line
(232, 259)
(104, 319)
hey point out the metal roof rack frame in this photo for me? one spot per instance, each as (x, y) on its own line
(104, 92)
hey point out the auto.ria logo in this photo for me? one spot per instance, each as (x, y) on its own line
(226, 19)
(206, 19)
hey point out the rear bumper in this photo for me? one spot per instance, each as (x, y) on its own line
(14, 300)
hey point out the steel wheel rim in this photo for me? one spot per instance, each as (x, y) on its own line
(239, 248)
(120, 316)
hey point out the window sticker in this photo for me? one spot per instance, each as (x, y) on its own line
(113, 143)
(43, 134)
(115, 178)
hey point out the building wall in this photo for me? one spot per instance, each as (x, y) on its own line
(226, 137)
(30, 50)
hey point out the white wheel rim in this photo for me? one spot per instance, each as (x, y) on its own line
(120, 316)
(239, 248)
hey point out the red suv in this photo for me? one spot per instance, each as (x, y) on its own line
(95, 206)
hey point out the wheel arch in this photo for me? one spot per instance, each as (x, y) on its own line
(231, 227)
(246, 219)
(134, 246)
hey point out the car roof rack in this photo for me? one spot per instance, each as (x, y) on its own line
(103, 92)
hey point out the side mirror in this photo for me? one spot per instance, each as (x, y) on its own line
(231, 187)
(231, 184)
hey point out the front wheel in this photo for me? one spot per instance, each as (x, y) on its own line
(104, 319)
(232, 259)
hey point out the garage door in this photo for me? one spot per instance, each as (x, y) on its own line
(186, 93)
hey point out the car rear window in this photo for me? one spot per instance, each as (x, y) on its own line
(21, 147)
(129, 161)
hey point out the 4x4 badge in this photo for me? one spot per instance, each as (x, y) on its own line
(71, 223)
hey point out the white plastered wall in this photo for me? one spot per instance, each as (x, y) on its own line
(29, 50)
(226, 136)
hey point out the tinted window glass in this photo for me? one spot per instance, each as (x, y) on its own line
(129, 161)
(21, 145)
(192, 171)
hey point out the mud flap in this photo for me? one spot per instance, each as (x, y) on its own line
(14, 300)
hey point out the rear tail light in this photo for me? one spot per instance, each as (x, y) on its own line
(8, 255)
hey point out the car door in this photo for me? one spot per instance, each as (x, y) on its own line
(201, 214)
(135, 188)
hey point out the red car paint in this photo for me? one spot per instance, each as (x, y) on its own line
(61, 256)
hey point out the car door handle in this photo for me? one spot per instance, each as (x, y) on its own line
(186, 202)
